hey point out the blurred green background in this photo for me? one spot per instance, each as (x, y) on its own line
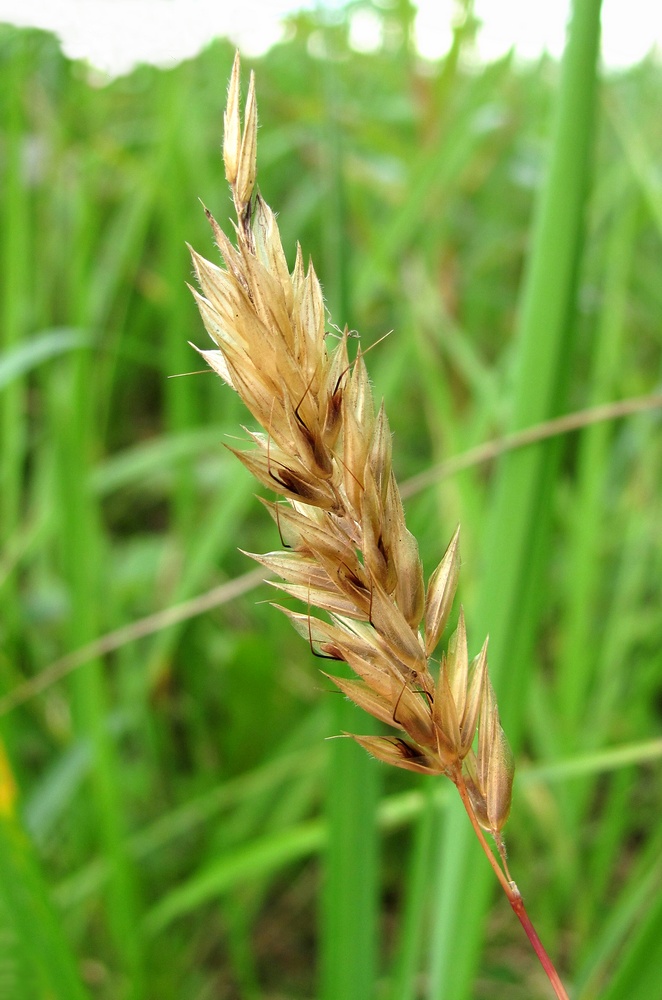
(169, 803)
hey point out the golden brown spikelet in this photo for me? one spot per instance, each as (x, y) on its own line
(326, 453)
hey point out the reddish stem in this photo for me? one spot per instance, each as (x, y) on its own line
(517, 904)
(513, 894)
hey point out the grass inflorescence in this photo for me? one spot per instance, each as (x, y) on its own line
(325, 451)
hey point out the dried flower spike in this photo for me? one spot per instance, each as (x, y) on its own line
(326, 453)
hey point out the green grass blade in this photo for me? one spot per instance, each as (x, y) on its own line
(514, 546)
(520, 512)
(584, 566)
(15, 306)
(349, 907)
(414, 918)
(612, 947)
(34, 921)
(638, 973)
(29, 353)
(259, 856)
(80, 548)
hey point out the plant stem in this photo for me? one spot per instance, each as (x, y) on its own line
(513, 894)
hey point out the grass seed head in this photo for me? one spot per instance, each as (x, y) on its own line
(328, 457)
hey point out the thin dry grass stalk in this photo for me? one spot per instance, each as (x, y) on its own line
(326, 452)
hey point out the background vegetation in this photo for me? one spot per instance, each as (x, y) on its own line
(168, 799)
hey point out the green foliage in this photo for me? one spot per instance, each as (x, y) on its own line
(170, 819)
